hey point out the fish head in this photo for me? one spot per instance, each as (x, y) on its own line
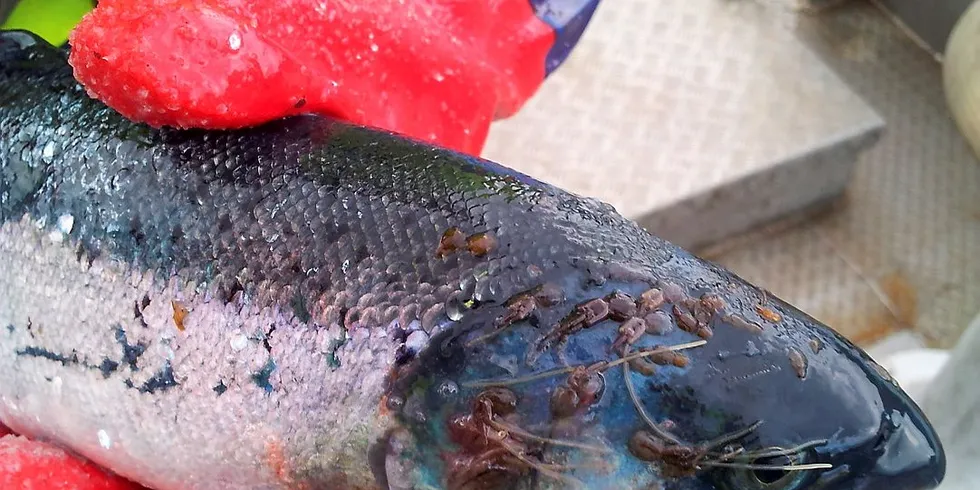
(797, 404)
(717, 386)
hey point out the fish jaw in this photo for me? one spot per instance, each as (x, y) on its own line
(479, 412)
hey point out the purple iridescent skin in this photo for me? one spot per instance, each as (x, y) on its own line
(311, 304)
(569, 19)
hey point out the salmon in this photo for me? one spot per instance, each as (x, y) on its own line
(311, 304)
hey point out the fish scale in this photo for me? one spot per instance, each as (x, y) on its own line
(313, 304)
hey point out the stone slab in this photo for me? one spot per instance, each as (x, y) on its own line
(698, 118)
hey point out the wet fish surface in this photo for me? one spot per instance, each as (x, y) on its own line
(315, 305)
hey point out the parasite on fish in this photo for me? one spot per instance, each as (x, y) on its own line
(312, 304)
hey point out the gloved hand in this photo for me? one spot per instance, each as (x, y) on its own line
(435, 70)
(32, 464)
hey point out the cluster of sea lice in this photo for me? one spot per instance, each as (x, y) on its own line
(495, 449)
(655, 442)
(521, 307)
(495, 446)
(583, 388)
(639, 316)
(679, 458)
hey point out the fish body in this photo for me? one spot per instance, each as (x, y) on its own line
(310, 304)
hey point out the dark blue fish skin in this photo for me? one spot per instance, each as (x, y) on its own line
(433, 285)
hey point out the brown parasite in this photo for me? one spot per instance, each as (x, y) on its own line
(520, 307)
(454, 240)
(686, 459)
(595, 367)
(497, 449)
(657, 444)
(616, 306)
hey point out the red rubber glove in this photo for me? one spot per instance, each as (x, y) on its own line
(31, 464)
(436, 70)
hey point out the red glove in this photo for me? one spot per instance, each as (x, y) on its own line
(31, 464)
(436, 70)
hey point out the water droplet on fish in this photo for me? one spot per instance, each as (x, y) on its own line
(438, 76)
(235, 41)
(395, 403)
(533, 271)
(484, 291)
(752, 350)
(416, 341)
(415, 408)
(455, 308)
(467, 286)
(448, 391)
(413, 326)
(238, 342)
(104, 439)
(374, 47)
(65, 223)
(724, 354)
(47, 153)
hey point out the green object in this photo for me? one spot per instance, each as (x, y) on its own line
(53, 20)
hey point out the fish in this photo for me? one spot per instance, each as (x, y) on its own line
(312, 304)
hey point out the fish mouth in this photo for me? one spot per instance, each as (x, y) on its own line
(912, 458)
(906, 454)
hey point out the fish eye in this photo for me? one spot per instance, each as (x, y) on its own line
(768, 471)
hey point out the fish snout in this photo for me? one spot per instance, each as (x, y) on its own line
(905, 454)
(910, 455)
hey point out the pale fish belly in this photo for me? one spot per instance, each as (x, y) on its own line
(156, 377)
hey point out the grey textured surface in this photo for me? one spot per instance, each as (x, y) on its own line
(699, 118)
(900, 251)
(931, 21)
